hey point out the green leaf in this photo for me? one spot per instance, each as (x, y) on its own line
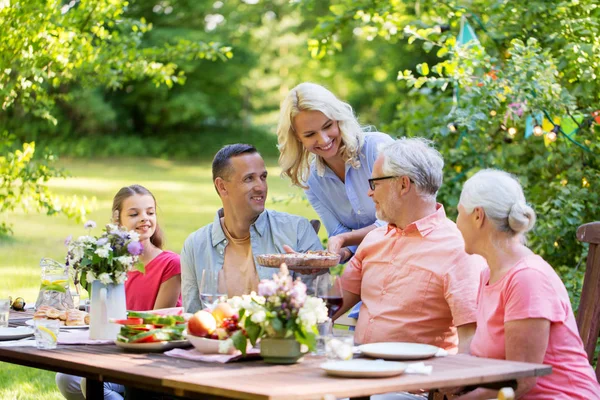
(277, 325)
(253, 331)
(240, 341)
(337, 9)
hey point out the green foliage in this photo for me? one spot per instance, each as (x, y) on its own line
(48, 47)
(538, 57)
(22, 184)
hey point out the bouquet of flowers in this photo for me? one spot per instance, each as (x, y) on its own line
(107, 258)
(281, 309)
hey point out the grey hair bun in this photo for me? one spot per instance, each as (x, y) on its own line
(521, 217)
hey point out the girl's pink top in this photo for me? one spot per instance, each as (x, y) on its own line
(141, 289)
(531, 289)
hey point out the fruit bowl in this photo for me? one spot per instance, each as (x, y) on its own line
(205, 345)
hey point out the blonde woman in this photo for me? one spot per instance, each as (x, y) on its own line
(523, 311)
(324, 150)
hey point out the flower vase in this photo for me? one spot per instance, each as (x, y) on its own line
(107, 302)
(280, 351)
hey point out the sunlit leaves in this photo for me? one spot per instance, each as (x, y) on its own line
(46, 47)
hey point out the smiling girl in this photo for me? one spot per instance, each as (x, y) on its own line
(324, 150)
(134, 207)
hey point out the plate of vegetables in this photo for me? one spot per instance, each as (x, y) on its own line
(150, 332)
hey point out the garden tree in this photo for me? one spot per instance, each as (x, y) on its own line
(47, 47)
(535, 64)
(218, 101)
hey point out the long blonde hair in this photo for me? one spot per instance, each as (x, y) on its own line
(294, 159)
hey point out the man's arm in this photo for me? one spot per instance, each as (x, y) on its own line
(465, 335)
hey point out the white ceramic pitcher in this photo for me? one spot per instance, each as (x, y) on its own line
(108, 301)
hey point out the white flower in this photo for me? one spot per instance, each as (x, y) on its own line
(120, 277)
(89, 276)
(226, 346)
(76, 254)
(105, 278)
(112, 228)
(126, 261)
(103, 251)
(258, 317)
(312, 312)
(134, 236)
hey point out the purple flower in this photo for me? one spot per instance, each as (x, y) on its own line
(102, 241)
(298, 293)
(135, 248)
(89, 224)
(68, 240)
(267, 288)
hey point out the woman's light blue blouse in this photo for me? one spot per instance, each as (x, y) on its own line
(344, 207)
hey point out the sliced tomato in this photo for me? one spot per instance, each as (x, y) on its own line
(146, 339)
(129, 321)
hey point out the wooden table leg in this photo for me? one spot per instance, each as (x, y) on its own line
(94, 390)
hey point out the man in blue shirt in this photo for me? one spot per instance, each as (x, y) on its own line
(242, 229)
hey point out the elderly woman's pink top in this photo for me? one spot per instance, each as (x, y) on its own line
(531, 289)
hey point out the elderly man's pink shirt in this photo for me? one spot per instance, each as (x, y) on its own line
(416, 284)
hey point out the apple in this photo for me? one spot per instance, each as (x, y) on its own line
(222, 311)
(202, 324)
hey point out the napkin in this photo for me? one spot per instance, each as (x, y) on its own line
(195, 355)
(79, 336)
(418, 368)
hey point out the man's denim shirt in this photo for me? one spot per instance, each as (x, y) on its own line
(205, 248)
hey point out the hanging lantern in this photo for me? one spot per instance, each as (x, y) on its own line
(538, 131)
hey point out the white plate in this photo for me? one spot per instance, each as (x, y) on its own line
(30, 323)
(15, 333)
(153, 347)
(360, 368)
(399, 350)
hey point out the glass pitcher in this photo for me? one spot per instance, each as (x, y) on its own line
(54, 289)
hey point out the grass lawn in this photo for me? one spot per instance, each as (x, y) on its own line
(186, 201)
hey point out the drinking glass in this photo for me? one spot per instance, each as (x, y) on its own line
(325, 329)
(213, 287)
(329, 288)
(4, 312)
(46, 333)
(339, 347)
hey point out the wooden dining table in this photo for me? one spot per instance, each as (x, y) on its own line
(254, 379)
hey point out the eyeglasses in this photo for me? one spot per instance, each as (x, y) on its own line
(372, 180)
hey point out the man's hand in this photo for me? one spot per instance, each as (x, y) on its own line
(335, 244)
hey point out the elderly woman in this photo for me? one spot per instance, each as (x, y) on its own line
(524, 312)
(325, 151)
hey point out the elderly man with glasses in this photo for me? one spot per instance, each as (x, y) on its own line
(413, 276)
